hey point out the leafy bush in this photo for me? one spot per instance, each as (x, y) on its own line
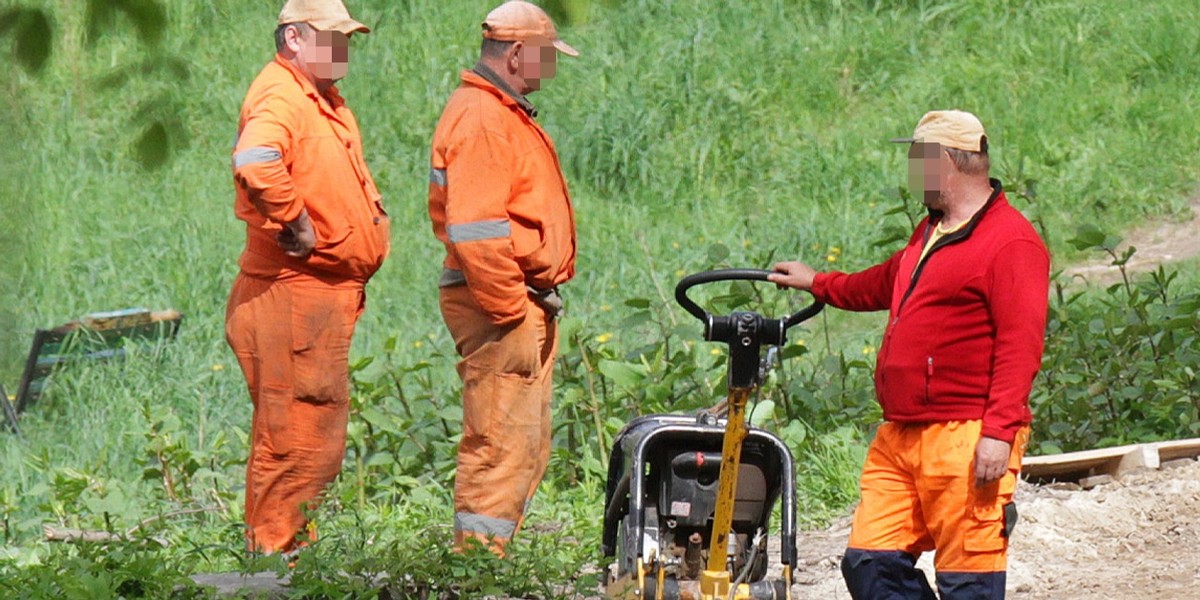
(1120, 367)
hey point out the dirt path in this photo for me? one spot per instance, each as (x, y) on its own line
(1136, 538)
(1157, 243)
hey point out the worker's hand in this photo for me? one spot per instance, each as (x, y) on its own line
(298, 237)
(793, 274)
(991, 460)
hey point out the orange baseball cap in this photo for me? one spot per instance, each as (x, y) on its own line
(323, 15)
(517, 21)
(950, 128)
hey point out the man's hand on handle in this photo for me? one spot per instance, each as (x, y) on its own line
(298, 237)
(793, 274)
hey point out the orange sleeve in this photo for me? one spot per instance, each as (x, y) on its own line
(262, 155)
(478, 186)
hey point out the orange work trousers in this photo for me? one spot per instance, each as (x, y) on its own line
(292, 341)
(919, 494)
(505, 446)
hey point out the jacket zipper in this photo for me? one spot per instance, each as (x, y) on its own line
(928, 377)
(920, 268)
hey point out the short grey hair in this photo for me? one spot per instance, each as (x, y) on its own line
(970, 163)
(281, 33)
(493, 48)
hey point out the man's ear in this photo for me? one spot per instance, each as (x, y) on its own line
(293, 38)
(513, 58)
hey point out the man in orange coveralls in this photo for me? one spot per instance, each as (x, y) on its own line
(315, 233)
(967, 314)
(498, 201)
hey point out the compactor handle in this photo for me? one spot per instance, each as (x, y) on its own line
(720, 323)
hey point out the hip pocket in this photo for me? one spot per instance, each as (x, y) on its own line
(322, 326)
(985, 528)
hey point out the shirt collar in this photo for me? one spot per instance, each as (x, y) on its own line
(491, 77)
(332, 96)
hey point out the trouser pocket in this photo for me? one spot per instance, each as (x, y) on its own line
(322, 327)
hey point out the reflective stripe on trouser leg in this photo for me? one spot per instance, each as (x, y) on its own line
(505, 446)
(292, 344)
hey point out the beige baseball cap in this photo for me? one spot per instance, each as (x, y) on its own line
(517, 21)
(950, 128)
(324, 15)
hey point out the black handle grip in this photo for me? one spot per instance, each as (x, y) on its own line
(703, 277)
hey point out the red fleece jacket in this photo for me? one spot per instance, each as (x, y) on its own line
(966, 325)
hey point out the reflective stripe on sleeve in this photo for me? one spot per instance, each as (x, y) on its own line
(257, 154)
(437, 177)
(486, 525)
(479, 230)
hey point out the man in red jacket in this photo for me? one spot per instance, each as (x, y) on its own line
(967, 314)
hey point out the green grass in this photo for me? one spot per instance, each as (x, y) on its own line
(756, 127)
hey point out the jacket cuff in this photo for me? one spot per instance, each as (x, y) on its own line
(999, 433)
(820, 287)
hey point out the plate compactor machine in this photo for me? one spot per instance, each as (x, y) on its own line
(688, 499)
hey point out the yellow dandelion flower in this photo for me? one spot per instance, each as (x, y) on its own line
(800, 342)
(432, 336)
(680, 273)
(868, 349)
(605, 307)
(218, 367)
(418, 344)
(745, 243)
(715, 351)
(675, 245)
(835, 250)
(830, 258)
(604, 338)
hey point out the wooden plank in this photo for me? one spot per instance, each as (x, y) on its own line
(1179, 449)
(1144, 456)
(1073, 465)
(1114, 461)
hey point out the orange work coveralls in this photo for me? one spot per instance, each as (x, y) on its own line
(289, 320)
(499, 203)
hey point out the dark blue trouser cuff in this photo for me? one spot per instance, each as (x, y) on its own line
(892, 575)
(971, 586)
(884, 575)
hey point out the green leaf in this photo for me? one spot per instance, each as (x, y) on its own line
(637, 303)
(717, 253)
(638, 318)
(793, 351)
(1088, 237)
(762, 413)
(375, 417)
(626, 375)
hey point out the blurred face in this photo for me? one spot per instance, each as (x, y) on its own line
(325, 55)
(536, 60)
(928, 168)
